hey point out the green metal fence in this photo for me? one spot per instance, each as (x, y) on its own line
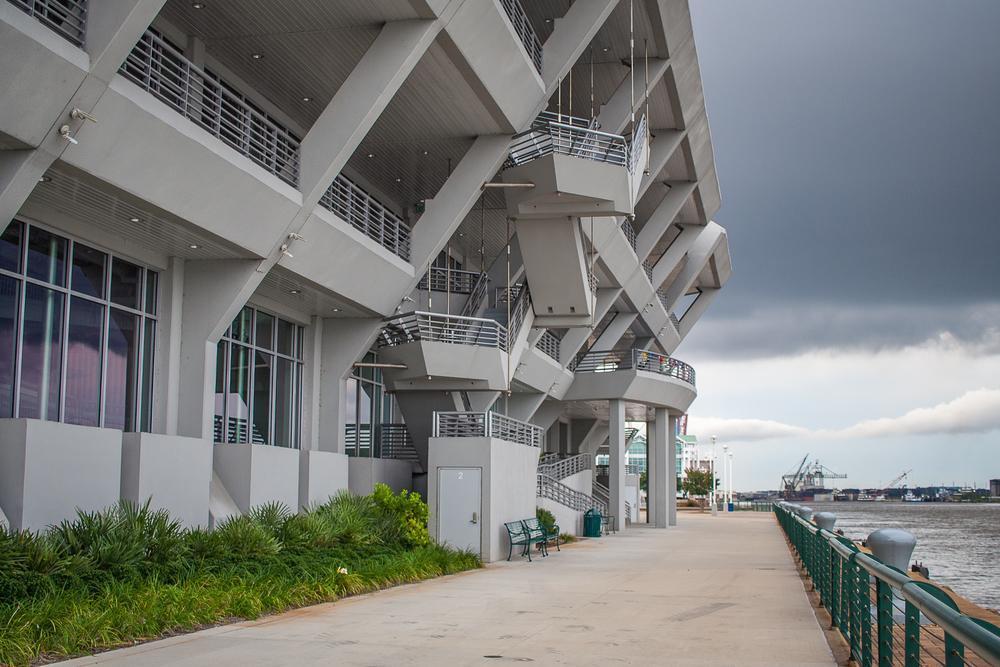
(886, 617)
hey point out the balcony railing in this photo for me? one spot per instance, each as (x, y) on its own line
(639, 139)
(162, 70)
(67, 18)
(438, 279)
(394, 442)
(548, 343)
(457, 329)
(518, 311)
(367, 215)
(486, 425)
(555, 133)
(524, 30)
(641, 360)
(478, 296)
(629, 230)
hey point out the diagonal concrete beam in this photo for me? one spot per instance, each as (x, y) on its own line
(661, 219)
(571, 36)
(675, 254)
(661, 148)
(576, 338)
(697, 309)
(709, 238)
(616, 113)
(614, 331)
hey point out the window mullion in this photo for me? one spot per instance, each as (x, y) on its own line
(139, 357)
(105, 341)
(19, 346)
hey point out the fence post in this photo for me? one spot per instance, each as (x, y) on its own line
(865, 615)
(883, 610)
(912, 633)
(954, 652)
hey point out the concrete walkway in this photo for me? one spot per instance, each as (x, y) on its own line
(719, 591)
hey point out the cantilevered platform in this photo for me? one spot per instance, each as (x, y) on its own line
(710, 591)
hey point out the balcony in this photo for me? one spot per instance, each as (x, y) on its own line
(67, 18)
(568, 135)
(642, 360)
(637, 376)
(524, 30)
(486, 425)
(453, 329)
(439, 279)
(161, 69)
(548, 343)
(367, 215)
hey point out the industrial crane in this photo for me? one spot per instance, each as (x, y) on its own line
(897, 480)
(791, 482)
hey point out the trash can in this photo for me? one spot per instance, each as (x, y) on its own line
(732, 507)
(591, 523)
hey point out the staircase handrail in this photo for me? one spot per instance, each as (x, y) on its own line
(553, 489)
(563, 468)
(477, 296)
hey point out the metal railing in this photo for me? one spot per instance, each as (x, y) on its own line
(367, 215)
(647, 266)
(524, 30)
(548, 344)
(162, 70)
(486, 425)
(639, 138)
(553, 489)
(563, 468)
(501, 294)
(915, 622)
(477, 297)
(518, 312)
(67, 18)
(642, 360)
(457, 329)
(676, 322)
(444, 280)
(394, 442)
(548, 457)
(629, 230)
(553, 133)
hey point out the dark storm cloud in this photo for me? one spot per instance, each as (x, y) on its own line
(858, 149)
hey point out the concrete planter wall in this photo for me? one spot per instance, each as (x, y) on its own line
(48, 470)
(258, 474)
(171, 471)
(321, 475)
(365, 473)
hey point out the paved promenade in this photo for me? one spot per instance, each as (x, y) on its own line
(710, 591)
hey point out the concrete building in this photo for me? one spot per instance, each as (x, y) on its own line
(995, 488)
(270, 250)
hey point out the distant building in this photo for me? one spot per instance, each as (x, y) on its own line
(995, 488)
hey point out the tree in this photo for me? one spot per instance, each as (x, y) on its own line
(698, 482)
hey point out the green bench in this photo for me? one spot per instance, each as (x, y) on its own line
(527, 532)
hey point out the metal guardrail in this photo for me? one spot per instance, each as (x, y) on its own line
(563, 468)
(477, 297)
(367, 215)
(67, 18)
(642, 360)
(648, 268)
(548, 457)
(500, 294)
(551, 488)
(486, 425)
(457, 329)
(629, 230)
(160, 69)
(518, 312)
(394, 442)
(916, 623)
(548, 344)
(522, 26)
(449, 280)
(567, 136)
(639, 138)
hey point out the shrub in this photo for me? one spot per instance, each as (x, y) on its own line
(408, 511)
(546, 518)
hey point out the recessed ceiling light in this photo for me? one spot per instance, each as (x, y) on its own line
(307, 99)
(548, 20)
(256, 56)
(293, 291)
(425, 152)
(197, 5)
(45, 179)
(336, 310)
(371, 155)
(133, 219)
(399, 180)
(194, 246)
(605, 49)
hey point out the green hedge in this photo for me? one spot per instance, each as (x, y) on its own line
(131, 573)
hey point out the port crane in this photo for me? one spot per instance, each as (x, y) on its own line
(899, 478)
(807, 476)
(791, 482)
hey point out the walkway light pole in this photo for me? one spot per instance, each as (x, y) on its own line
(725, 478)
(712, 494)
(732, 487)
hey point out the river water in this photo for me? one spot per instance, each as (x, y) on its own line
(959, 543)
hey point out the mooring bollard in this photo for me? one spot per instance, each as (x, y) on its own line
(825, 520)
(892, 546)
(804, 512)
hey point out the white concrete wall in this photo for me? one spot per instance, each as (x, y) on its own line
(632, 497)
(569, 520)
(508, 493)
(172, 472)
(48, 470)
(258, 474)
(365, 473)
(321, 475)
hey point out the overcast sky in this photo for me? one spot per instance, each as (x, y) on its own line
(858, 150)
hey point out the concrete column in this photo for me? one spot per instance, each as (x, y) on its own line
(571, 36)
(523, 406)
(651, 472)
(344, 341)
(311, 384)
(663, 473)
(671, 470)
(575, 339)
(616, 462)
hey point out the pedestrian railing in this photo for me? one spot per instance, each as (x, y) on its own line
(161, 69)
(456, 329)
(884, 615)
(486, 425)
(518, 311)
(639, 138)
(367, 215)
(551, 488)
(522, 26)
(480, 291)
(549, 343)
(563, 468)
(577, 137)
(67, 18)
(647, 267)
(629, 230)
(394, 442)
(455, 281)
(643, 360)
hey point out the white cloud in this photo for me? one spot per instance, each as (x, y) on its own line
(742, 430)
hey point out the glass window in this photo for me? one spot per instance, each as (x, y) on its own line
(367, 407)
(83, 362)
(88, 270)
(126, 279)
(10, 247)
(46, 257)
(257, 386)
(67, 354)
(41, 353)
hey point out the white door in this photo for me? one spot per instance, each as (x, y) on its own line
(459, 507)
